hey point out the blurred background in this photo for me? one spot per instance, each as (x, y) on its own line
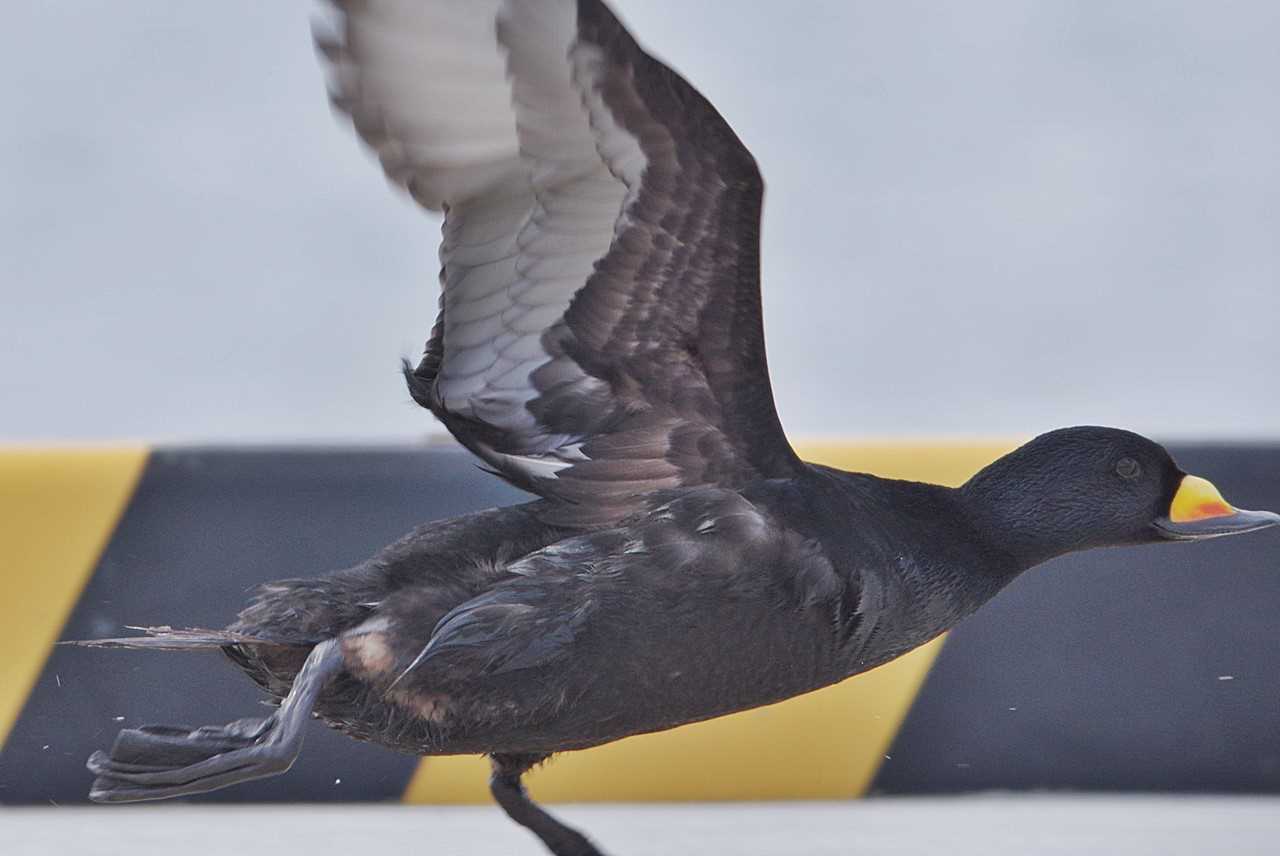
(982, 218)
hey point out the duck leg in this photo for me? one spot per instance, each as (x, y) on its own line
(506, 788)
(160, 761)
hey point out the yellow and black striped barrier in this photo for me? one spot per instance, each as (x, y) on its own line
(1146, 669)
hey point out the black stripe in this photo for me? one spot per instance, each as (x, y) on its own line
(202, 529)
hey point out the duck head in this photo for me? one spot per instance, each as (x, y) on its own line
(1077, 488)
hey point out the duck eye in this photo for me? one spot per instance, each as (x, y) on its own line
(1128, 468)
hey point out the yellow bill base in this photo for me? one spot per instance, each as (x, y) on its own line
(1198, 499)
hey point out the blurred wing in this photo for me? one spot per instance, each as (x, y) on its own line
(599, 334)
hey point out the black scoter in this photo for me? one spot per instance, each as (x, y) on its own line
(599, 344)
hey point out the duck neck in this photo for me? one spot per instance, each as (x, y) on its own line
(1010, 515)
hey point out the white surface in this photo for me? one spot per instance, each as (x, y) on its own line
(990, 216)
(982, 826)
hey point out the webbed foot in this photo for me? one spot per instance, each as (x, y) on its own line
(156, 762)
(161, 761)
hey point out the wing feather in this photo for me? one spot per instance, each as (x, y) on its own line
(600, 334)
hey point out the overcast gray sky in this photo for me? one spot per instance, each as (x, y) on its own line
(982, 218)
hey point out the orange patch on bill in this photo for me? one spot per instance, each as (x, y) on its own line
(1212, 509)
(1198, 499)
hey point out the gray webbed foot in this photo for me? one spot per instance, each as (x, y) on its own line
(160, 761)
(156, 762)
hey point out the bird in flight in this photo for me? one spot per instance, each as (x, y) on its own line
(599, 344)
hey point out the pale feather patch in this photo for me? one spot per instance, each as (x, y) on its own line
(367, 654)
(617, 147)
(432, 707)
(492, 110)
(515, 254)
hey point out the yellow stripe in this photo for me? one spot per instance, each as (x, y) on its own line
(949, 463)
(57, 510)
(824, 745)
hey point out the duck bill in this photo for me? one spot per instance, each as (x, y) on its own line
(1198, 511)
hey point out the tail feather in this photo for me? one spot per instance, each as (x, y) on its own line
(165, 638)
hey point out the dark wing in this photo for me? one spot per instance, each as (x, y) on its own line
(521, 624)
(600, 331)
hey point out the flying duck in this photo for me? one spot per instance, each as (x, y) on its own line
(599, 344)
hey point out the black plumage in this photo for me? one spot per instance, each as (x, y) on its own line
(600, 344)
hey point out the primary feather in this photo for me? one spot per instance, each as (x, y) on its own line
(599, 334)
